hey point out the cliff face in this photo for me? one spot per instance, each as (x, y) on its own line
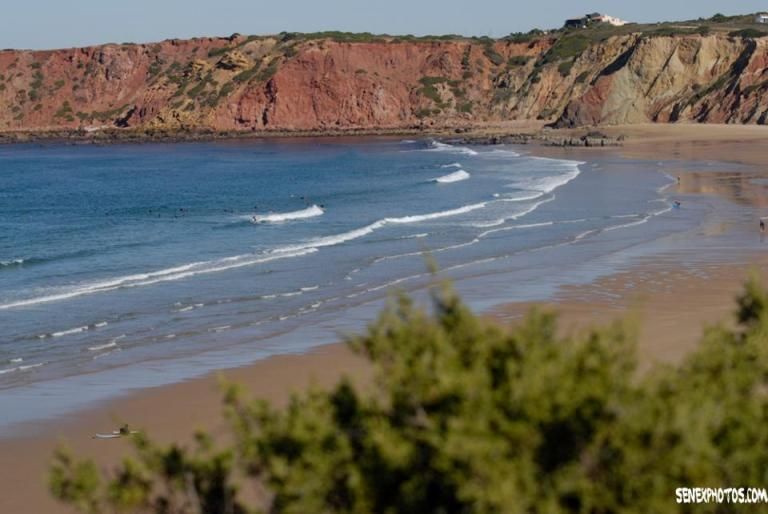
(710, 79)
(247, 84)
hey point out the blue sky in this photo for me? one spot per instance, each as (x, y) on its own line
(66, 23)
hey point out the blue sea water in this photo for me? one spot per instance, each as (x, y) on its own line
(120, 255)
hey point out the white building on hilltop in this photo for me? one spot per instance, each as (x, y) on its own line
(616, 22)
(761, 17)
(593, 18)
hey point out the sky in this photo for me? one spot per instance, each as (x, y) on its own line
(39, 24)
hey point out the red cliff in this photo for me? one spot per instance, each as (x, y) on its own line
(304, 83)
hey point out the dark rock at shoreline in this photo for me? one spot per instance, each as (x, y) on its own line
(591, 140)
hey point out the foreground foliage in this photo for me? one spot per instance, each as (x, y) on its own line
(466, 416)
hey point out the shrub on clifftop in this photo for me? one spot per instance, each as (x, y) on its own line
(467, 416)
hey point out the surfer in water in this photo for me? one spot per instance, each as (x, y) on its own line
(762, 225)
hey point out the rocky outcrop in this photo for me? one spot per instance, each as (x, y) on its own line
(712, 79)
(246, 84)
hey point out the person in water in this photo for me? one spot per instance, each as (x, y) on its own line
(677, 204)
(762, 225)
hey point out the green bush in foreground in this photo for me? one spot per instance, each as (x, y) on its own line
(467, 416)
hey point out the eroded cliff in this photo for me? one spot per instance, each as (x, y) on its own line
(292, 82)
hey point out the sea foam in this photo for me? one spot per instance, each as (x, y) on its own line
(155, 277)
(369, 229)
(443, 147)
(456, 176)
(309, 212)
(550, 183)
(101, 347)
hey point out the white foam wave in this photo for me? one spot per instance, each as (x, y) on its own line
(368, 229)
(563, 162)
(515, 216)
(101, 324)
(111, 352)
(21, 368)
(69, 332)
(515, 227)
(166, 275)
(191, 307)
(550, 183)
(11, 262)
(523, 198)
(505, 153)
(101, 347)
(311, 288)
(452, 165)
(393, 283)
(422, 253)
(641, 221)
(416, 236)
(443, 147)
(672, 180)
(586, 233)
(436, 215)
(456, 176)
(628, 225)
(16, 360)
(488, 224)
(309, 212)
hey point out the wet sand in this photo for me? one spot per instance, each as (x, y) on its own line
(670, 304)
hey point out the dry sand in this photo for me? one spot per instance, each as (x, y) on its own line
(671, 304)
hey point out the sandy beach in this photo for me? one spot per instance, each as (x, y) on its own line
(671, 305)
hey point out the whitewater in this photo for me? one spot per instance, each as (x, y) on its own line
(178, 250)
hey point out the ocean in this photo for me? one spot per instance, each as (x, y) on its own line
(128, 266)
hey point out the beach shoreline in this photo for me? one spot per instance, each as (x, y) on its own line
(670, 304)
(483, 133)
(142, 136)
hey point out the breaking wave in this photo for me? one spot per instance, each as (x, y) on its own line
(550, 183)
(227, 263)
(101, 347)
(368, 229)
(436, 146)
(456, 176)
(145, 279)
(309, 212)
